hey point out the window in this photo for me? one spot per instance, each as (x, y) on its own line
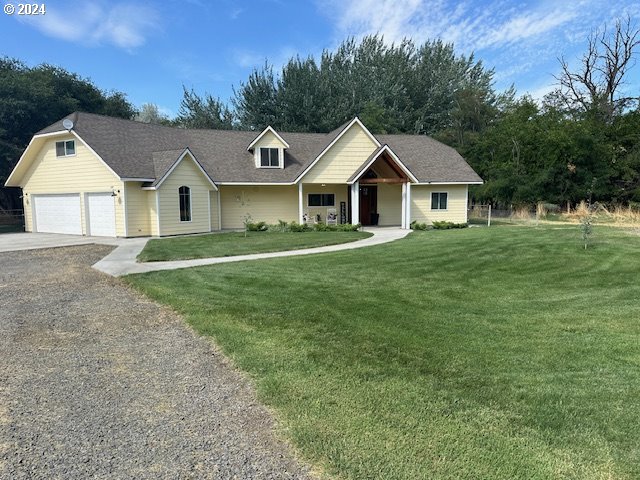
(439, 201)
(269, 157)
(322, 200)
(185, 204)
(65, 148)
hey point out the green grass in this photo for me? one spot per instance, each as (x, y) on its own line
(235, 243)
(475, 354)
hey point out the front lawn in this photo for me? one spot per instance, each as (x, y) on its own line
(478, 353)
(235, 243)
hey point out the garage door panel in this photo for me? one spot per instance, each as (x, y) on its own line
(102, 214)
(57, 214)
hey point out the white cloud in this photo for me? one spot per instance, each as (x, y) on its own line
(93, 23)
(538, 92)
(471, 25)
(247, 58)
(236, 12)
(521, 39)
(523, 27)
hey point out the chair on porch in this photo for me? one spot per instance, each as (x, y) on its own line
(332, 216)
(310, 219)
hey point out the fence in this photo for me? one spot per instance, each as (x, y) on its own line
(11, 221)
(488, 215)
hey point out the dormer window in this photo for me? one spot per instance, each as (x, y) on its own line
(270, 157)
(268, 149)
(66, 148)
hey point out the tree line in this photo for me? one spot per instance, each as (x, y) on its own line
(582, 142)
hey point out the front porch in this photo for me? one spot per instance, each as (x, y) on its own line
(379, 193)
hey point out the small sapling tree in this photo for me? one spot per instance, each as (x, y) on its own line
(586, 228)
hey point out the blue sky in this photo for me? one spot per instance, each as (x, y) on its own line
(150, 49)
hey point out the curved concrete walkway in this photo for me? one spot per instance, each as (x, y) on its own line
(122, 261)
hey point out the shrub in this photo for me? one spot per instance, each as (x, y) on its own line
(347, 227)
(256, 226)
(415, 225)
(298, 227)
(448, 225)
(282, 226)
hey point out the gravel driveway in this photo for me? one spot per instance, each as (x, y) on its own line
(98, 382)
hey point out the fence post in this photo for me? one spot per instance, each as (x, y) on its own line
(489, 217)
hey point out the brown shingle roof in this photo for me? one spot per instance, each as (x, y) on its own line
(430, 160)
(132, 149)
(164, 160)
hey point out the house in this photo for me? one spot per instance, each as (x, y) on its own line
(95, 175)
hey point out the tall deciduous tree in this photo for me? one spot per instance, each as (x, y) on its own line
(203, 112)
(417, 88)
(595, 86)
(150, 113)
(32, 98)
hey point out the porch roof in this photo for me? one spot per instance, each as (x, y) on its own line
(375, 155)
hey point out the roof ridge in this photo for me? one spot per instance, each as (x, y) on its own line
(173, 127)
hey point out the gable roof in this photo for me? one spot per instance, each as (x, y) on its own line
(339, 132)
(374, 156)
(166, 162)
(264, 132)
(443, 163)
(135, 150)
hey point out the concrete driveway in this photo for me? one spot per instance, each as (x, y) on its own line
(14, 242)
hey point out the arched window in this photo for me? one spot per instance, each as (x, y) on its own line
(185, 203)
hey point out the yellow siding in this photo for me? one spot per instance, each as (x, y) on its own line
(82, 173)
(138, 210)
(269, 140)
(340, 191)
(421, 203)
(213, 196)
(389, 204)
(185, 174)
(264, 204)
(343, 158)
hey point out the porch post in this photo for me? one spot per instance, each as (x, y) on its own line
(355, 203)
(219, 211)
(408, 220)
(300, 205)
(404, 206)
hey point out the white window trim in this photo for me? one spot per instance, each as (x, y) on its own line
(439, 209)
(321, 206)
(258, 157)
(190, 205)
(75, 150)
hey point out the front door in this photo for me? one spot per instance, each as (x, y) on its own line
(368, 205)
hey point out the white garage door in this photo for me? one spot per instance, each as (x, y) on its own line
(57, 213)
(102, 214)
